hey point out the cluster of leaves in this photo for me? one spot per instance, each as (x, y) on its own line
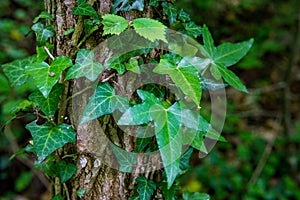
(174, 124)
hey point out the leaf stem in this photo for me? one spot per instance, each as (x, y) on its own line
(48, 52)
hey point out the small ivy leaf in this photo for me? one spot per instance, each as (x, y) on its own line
(153, 3)
(169, 193)
(195, 195)
(65, 171)
(208, 41)
(85, 66)
(171, 11)
(133, 66)
(118, 66)
(80, 193)
(127, 5)
(150, 29)
(125, 159)
(47, 138)
(114, 24)
(40, 73)
(192, 29)
(15, 70)
(183, 16)
(145, 188)
(102, 102)
(47, 105)
(48, 166)
(231, 78)
(84, 9)
(42, 33)
(229, 54)
(169, 138)
(43, 15)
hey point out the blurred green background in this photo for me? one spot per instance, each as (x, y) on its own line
(261, 158)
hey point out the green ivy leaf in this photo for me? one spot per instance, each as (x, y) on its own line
(231, 78)
(14, 70)
(144, 137)
(21, 106)
(48, 105)
(103, 102)
(85, 66)
(208, 41)
(184, 76)
(185, 159)
(183, 16)
(150, 29)
(127, 5)
(41, 53)
(48, 166)
(125, 159)
(153, 3)
(133, 66)
(43, 15)
(84, 9)
(229, 54)
(192, 29)
(169, 138)
(145, 188)
(42, 33)
(45, 76)
(47, 138)
(57, 197)
(65, 171)
(171, 11)
(136, 115)
(114, 24)
(195, 195)
(118, 66)
(214, 71)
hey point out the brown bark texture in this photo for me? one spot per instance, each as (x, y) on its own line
(97, 179)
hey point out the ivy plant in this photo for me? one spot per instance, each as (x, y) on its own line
(173, 123)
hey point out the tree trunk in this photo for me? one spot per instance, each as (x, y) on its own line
(97, 179)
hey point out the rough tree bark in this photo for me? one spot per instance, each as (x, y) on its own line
(98, 180)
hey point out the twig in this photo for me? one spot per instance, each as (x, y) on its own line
(48, 52)
(67, 191)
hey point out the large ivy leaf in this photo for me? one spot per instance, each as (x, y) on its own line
(45, 76)
(47, 138)
(145, 187)
(208, 41)
(84, 9)
(15, 70)
(199, 63)
(136, 115)
(231, 78)
(125, 159)
(169, 138)
(102, 102)
(127, 5)
(171, 11)
(150, 29)
(65, 171)
(47, 105)
(184, 76)
(229, 54)
(85, 66)
(114, 24)
(42, 33)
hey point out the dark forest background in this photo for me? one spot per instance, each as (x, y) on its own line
(260, 159)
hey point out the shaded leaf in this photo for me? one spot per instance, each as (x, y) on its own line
(211, 85)
(15, 70)
(45, 76)
(113, 24)
(150, 29)
(85, 66)
(183, 16)
(47, 105)
(195, 195)
(153, 3)
(171, 11)
(144, 137)
(192, 29)
(84, 9)
(127, 5)
(136, 115)
(42, 33)
(47, 138)
(125, 159)
(65, 171)
(185, 159)
(145, 188)
(43, 15)
(103, 102)
(133, 66)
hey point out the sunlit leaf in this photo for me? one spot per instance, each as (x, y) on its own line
(208, 41)
(114, 24)
(46, 76)
(150, 29)
(47, 138)
(85, 66)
